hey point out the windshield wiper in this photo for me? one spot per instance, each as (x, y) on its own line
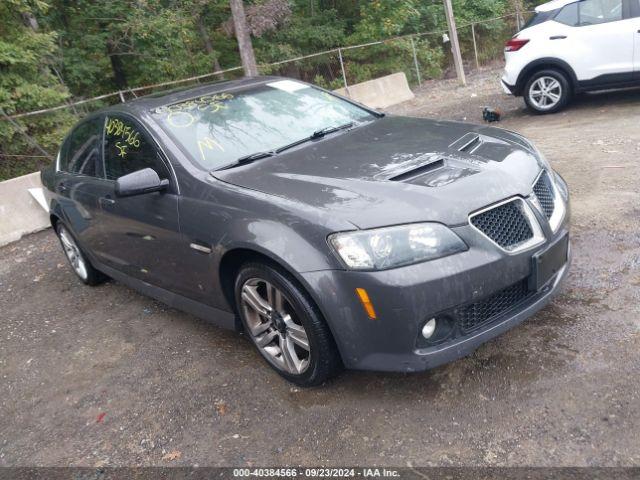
(255, 156)
(270, 153)
(327, 130)
(249, 158)
(315, 135)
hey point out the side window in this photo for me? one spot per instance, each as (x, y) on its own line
(591, 12)
(127, 149)
(82, 152)
(635, 8)
(569, 15)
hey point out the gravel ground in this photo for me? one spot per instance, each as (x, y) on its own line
(105, 376)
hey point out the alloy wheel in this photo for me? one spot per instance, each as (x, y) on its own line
(545, 93)
(274, 327)
(73, 253)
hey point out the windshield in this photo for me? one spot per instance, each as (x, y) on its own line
(218, 129)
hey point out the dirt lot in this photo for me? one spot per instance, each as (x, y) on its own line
(104, 376)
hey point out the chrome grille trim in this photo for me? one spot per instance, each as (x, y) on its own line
(536, 239)
(559, 207)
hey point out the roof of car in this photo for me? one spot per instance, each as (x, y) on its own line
(159, 99)
(553, 5)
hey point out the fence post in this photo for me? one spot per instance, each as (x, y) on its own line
(415, 61)
(475, 45)
(344, 75)
(518, 20)
(455, 43)
(121, 96)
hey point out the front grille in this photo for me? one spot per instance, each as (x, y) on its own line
(505, 224)
(475, 315)
(544, 193)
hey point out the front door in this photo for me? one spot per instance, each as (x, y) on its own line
(140, 235)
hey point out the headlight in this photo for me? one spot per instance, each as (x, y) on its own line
(392, 247)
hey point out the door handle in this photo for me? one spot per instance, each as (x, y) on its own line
(106, 201)
(62, 187)
(558, 37)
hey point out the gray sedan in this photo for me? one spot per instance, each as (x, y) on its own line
(332, 235)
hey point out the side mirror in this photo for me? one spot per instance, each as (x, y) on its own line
(140, 182)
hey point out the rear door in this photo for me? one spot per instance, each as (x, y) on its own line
(596, 37)
(79, 181)
(140, 235)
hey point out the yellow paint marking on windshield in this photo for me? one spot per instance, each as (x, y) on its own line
(212, 103)
(180, 119)
(208, 143)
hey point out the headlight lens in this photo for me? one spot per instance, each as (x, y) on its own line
(393, 247)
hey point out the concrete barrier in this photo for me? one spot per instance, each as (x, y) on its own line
(20, 212)
(380, 92)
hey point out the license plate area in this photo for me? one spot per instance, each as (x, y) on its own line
(547, 264)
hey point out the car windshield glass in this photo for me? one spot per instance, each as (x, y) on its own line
(216, 130)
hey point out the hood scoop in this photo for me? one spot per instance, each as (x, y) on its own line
(437, 173)
(418, 172)
(481, 145)
(468, 143)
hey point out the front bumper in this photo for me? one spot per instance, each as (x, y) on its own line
(405, 298)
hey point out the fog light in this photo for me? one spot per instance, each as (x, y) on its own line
(429, 329)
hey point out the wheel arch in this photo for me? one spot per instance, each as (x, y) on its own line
(546, 64)
(55, 214)
(234, 259)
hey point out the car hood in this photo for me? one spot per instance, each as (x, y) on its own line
(398, 170)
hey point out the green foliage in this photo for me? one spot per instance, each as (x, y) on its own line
(27, 82)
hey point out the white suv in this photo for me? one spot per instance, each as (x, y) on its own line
(573, 46)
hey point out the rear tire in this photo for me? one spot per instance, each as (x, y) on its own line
(78, 260)
(547, 91)
(285, 325)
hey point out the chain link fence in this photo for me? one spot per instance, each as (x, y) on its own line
(424, 56)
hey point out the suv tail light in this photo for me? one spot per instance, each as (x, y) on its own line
(515, 44)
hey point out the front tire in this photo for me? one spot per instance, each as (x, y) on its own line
(77, 259)
(547, 91)
(285, 326)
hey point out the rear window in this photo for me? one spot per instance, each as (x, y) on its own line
(569, 15)
(539, 17)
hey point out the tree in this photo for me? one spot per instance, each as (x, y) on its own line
(244, 39)
(27, 82)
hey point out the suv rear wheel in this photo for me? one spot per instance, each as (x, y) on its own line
(547, 91)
